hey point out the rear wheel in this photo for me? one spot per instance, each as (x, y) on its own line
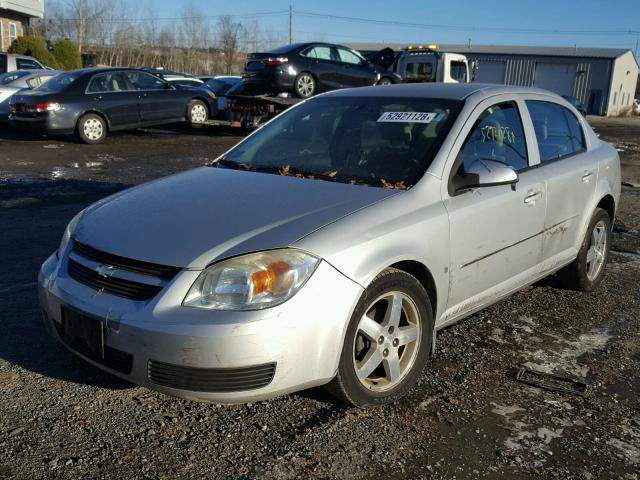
(387, 343)
(92, 128)
(587, 270)
(305, 85)
(197, 113)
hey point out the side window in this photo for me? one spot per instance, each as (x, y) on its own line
(107, 82)
(459, 71)
(558, 132)
(497, 135)
(26, 64)
(145, 81)
(34, 82)
(321, 53)
(347, 56)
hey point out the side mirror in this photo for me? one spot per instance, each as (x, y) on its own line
(486, 173)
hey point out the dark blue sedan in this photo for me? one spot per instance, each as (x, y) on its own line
(92, 102)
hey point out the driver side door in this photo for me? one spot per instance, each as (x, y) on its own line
(495, 231)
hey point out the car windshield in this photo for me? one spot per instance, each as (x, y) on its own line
(59, 82)
(7, 78)
(377, 141)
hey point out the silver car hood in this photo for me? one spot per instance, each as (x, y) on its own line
(193, 218)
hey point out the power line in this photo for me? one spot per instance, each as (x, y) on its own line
(466, 28)
(174, 19)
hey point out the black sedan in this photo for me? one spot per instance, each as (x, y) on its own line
(92, 102)
(305, 69)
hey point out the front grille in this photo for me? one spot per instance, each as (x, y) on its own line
(113, 358)
(137, 266)
(116, 286)
(211, 379)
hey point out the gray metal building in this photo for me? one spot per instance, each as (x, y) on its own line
(603, 79)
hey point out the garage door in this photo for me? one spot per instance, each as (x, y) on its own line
(491, 72)
(557, 77)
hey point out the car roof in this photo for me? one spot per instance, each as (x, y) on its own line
(448, 91)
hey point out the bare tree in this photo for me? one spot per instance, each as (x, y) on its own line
(229, 33)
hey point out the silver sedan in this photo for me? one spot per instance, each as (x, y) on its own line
(13, 82)
(331, 245)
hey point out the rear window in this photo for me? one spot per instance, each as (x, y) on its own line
(220, 87)
(373, 141)
(59, 82)
(420, 72)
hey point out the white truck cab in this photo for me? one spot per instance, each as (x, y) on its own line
(418, 64)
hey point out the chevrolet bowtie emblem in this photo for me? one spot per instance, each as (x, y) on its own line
(105, 270)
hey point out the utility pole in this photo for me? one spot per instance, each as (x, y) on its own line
(290, 22)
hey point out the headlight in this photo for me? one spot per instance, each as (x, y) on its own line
(252, 282)
(66, 236)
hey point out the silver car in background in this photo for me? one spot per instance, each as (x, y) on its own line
(328, 247)
(13, 82)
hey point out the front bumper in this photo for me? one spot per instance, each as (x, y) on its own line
(303, 337)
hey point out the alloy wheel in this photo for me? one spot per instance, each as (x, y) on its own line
(93, 129)
(198, 113)
(387, 341)
(597, 250)
(306, 85)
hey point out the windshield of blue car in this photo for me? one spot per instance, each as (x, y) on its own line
(7, 78)
(59, 82)
(375, 141)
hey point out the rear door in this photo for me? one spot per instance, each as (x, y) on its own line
(568, 171)
(110, 93)
(159, 101)
(495, 231)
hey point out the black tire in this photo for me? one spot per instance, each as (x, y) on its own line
(92, 128)
(346, 385)
(575, 275)
(385, 81)
(305, 85)
(197, 113)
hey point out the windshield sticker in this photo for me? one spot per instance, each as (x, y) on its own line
(408, 117)
(491, 133)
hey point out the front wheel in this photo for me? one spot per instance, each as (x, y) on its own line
(197, 113)
(587, 270)
(305, 85)
(92, 128)
(385, 81)
(387, 343)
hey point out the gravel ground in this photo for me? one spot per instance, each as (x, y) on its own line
(468, 418)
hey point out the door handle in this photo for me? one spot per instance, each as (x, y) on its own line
(586, 175)
(532, 197)
(99, 97)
